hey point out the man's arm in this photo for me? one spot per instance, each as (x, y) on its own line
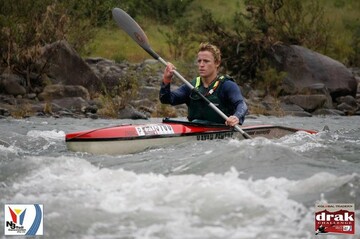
(231, 93)
(176, 97)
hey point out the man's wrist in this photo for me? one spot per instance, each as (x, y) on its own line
(166, 81)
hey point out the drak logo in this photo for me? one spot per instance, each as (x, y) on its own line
(335, 218)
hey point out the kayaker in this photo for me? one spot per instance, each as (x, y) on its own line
(221, 90)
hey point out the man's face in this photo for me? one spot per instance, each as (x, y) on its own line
(206, 64)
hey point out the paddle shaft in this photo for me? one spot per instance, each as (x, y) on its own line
(129, 25)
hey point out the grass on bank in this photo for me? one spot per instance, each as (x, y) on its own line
(113, 43)
(344, 16)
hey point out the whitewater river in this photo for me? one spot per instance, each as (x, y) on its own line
(263, 189)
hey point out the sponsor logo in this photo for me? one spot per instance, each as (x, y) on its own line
(214, 136)
(23, 219)
(334, 218)
(261, 132)
(154, 129)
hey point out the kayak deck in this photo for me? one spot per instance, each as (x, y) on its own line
(127, 139)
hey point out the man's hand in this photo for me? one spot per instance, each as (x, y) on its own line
(168, 73)
(232, 121)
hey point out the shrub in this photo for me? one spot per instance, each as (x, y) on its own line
(160, 10)
(247, 44)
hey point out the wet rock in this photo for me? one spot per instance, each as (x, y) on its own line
(319, 89)
(65, 113)
(90, 109)
(305, 67)
(45, 107)
(294, 110)
(332, 112)
(11, 84)
(67, 67)
(145, 105)
(109, 72)
(256, 94)
(92, 116)
(4, 112)
(73, 104)
(62, 91)
(8, 99)
(130, 112)
(270, 103)
(349, 100)
(31, 96)
(347, 109)
(307, 102)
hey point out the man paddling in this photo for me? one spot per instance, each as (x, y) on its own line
(222, 91)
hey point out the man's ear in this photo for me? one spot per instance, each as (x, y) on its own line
(217, 64)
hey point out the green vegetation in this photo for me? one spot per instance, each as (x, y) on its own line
(245, 30)
(112, 43)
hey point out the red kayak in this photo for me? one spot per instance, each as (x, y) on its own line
(127, 139)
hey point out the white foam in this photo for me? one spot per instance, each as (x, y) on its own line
(9, 152)
(48, 135)
(9, 149)
(302, 141)
(177, 206)
(320, 182)
(213, 204)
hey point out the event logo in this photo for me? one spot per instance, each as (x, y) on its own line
(334, 218)
(23, 219)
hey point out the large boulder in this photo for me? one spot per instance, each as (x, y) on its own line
(67, 67)
(58, 91)
(347, 104)
(130, 112)
(74, 104)
(307, 102)
(108, 71)
(11, 84)
(305, 67)
(294, 110)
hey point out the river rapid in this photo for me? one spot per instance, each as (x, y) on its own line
(229, 188)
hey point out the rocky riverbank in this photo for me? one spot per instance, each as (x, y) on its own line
(70, 86)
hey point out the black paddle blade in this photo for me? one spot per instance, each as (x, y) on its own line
(128, 24)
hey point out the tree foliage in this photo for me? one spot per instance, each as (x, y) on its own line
(247, 44)
(163, 11)
(26, 26)
(180, 39)
(22, 36)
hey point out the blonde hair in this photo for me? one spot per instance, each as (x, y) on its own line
(205, 46)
